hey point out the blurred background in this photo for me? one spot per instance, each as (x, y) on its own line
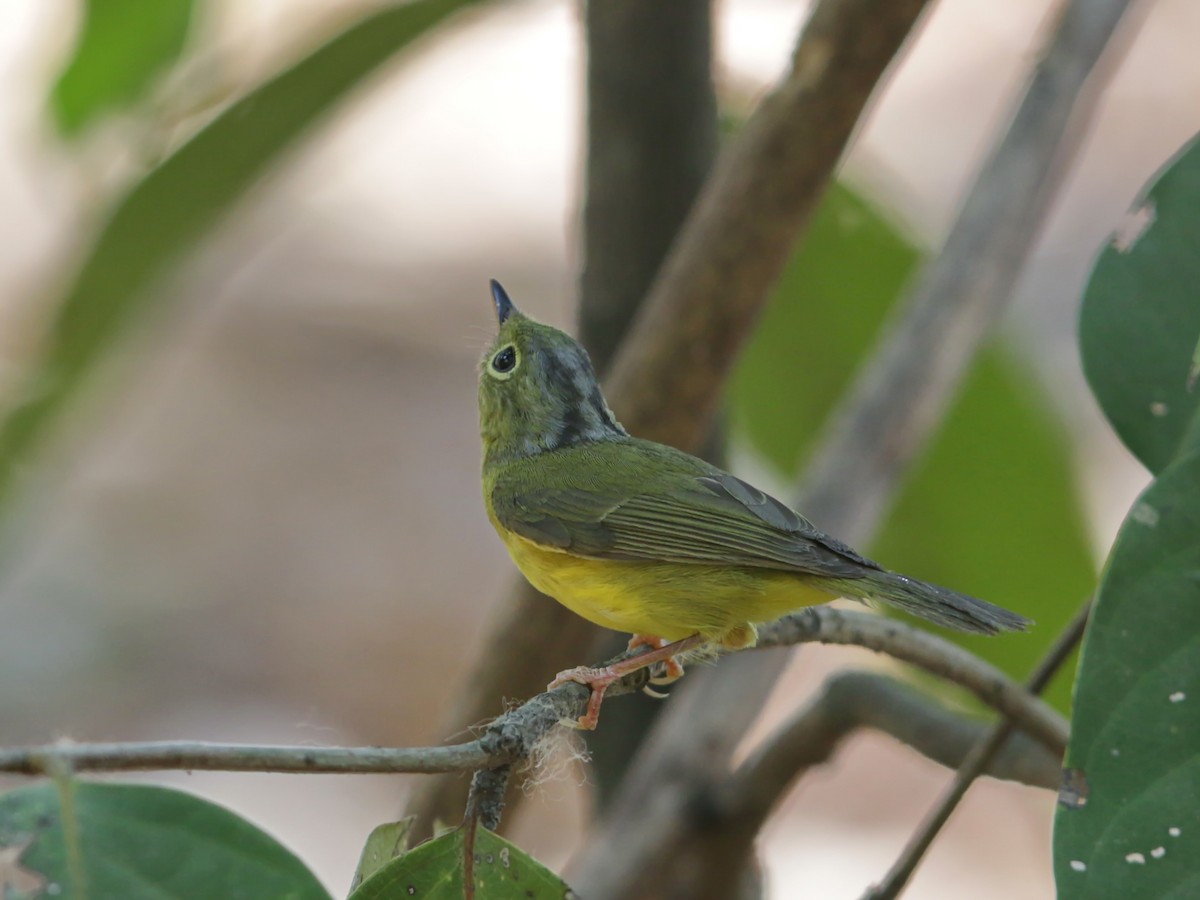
(261, 520)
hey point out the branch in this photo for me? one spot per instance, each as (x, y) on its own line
(651, 141)
(510, 738)
(961, 293)
(485, 803)
(850, 701)
(976, 762)
(513, 736)
(204, 756)
(652, 138)
(666, 380)
(927, 651)
(668, 374)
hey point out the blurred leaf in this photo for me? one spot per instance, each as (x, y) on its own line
(825, 315)
(140, 843)
(990, 508)
(1129, 824)
(165, 216)
(123, 45)
(434, 871)
(384, 843)
(1140, 321)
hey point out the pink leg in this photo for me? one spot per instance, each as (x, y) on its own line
(674, 671)
(600, 679)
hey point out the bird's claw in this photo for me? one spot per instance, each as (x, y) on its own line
(597, 680)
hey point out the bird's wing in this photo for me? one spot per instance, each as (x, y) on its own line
(676, 516)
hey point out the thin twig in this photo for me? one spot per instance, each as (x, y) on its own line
(975, 763)
(485, 803)
(927, 651)
(210, 756)
(510, 738)
(513, 736)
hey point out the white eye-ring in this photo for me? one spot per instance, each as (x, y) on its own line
(504, 363)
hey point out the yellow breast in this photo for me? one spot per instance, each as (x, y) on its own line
(596, 589)
(667, 599)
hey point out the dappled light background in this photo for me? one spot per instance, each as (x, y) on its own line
(263, 523)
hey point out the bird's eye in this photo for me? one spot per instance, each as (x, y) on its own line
(505, 361)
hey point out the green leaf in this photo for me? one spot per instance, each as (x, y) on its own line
(1134, 755)
(134, 842)
(1140, 321)
(989, 508)
(123, 45)
(164, 217)
(1128, 823)
(434, 871)
(385, 843)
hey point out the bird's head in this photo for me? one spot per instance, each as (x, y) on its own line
(537, 389)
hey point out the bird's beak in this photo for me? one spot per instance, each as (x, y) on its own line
(504, 305)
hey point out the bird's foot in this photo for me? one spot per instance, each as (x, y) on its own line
(672, 668)
(597, 680)
(600, 679)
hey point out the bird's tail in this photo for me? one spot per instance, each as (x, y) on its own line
(937, 604)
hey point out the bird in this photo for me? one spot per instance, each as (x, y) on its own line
(641, 537)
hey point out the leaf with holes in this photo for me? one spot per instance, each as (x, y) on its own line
(434, 871)
(139, 843)
(1140, 322)
(1128, 823)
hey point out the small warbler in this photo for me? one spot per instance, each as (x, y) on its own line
(641, 537)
